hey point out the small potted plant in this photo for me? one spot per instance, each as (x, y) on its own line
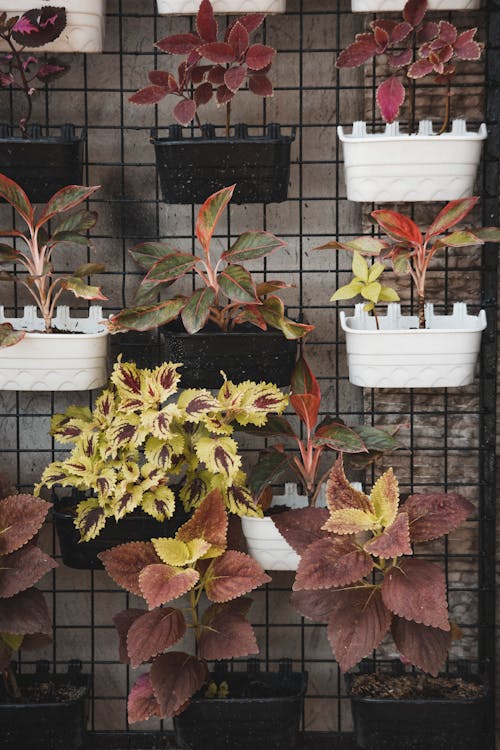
(209, 713)
(55, 351)
(84, 27)
(426, 350)
(226, 319)
(50, 708)
(140, 436)
(217, 69)
(359, 573)
(423, 166)
(363, 444)
(41, 163)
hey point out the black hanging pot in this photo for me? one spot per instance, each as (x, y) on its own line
(42, 164)
(135, 527)
(191, 169)
(52, 714)
(141, 347)
(261, 710)
(245, 353)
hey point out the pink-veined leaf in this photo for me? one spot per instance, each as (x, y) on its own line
(153, 633)
(15, 195)
(65, 199)
(141, 703)
(450, 215)
(161, 583)
(251, 246)
(339, 437)
(196, 311)
(146, 317)
(302, 526)
(169, 267)
(210, 213)
(416, 590)
(175, 678)
(124, 563)
(184, 111)
(390, 97)
(259, 56)
(8, 336)
(394, 541)
(435, 514)
(226, 633)
(423, 646)
(232, 575)
(237, 284)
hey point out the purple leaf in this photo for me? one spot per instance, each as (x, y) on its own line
(390, 97)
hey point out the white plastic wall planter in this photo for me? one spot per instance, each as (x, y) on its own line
(383, 6)
(393, 166)
(400, 355)
(84, 30)
(190, 7)
(73, 361)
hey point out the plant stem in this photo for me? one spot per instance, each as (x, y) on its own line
(228, 118)
(421, 311)
(446, 120)
(23, 123)
(10, 683)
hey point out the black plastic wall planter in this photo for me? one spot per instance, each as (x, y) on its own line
(141, 347)
(42, 165)
(270, 720)
(191, 169)
(47, 725)
(243, 354)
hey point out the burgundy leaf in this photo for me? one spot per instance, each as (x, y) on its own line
(234, 78)
(416, 590)
(185, 111)
(21, 516)
(226, 633)
(447, 32)
(175, 678)
(340, 494)
(394, 542)
(161, 583)
(123, 621)
(466, 48)
(420, 69)
(401, 59)
(199, 72)
(414, 11)
(381, 37)
(424, 647)
(38, 27)
(357, 625)
(206, 24)
(233, 575)
(216, 75)
(259, 56)
(149, 95)
(302, 526)
(332, 562)
(360, 51)
(436, 514)
(163, 79)
(142, 704)
(252, 21)
(427, 31)
(209, 522)
(401, 31)
(390, 97)
(179, 44)
(25, 613)
(203, 94)
(224, 95)
(238, 39)
(22, 569)
(260, 85)
(217, 52)
(153, 633)
(124, 563)
(316, 605)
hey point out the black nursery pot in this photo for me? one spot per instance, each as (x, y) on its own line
(263, 709)
(135, 527)
(243, 354)
(42, 165)
(141, 347)
(51, 724)
(191, 169)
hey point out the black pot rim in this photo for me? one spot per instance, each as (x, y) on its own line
(377, 700)
(158, 140)
(61, 138)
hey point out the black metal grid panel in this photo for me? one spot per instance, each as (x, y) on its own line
(448, 441)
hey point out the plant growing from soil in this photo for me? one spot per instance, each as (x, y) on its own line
(409, 251)
(38, 243)
(196, 562)
(22, 70)
(228, 295)
(233, 61)
(358, 571)
(141, 434)
(414, 48)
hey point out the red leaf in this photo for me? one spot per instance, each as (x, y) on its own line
(454, 212)
(163, 79)
(179, 44)
(233, 575)
(149, 95)
(238, 39)
(332, 562)
(259, 56)
(153, 633)
(435, 514)
(175, 678)
(184, 111)
(199, 72)
(226, 633)
(390, 97)
(316, 605)
(307, 407)
(160, 583)
(466, 48)
(125, 562)
(252, 21)
(416, 590)
(414, 11)
(206, 25)
(142, 704)
(216, 75)
(360, 51)
(25, 614)
(21, 516)
(394, 542)
(203, 94)
(357, 625)
(260, 85)
(210, 213)
(398, 226)
(381, 37)
(209, 522)
(302, 526)
(15, 195)
(123, 621)
(217, 52)
(428, 31)
(234, 77)
(400, 31)
(303, 379)
(420, 69)
(340, 494)
(401, 59)
(224, 95)
(22, 569)
(424, 647)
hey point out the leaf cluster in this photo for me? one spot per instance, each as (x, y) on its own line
(359, 574)
(228, 296)
(196, 562)
(141, 434)
(45, 232)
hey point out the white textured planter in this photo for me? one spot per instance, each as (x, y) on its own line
(190, 7)
(400, 355)
(73, 361)
(84, 30)
(383, 6)
(393, 166)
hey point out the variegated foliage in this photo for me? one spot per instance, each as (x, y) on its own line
(196, 562)
(359, 574)
(141, 434)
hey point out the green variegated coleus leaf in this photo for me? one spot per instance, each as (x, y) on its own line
(159, 502)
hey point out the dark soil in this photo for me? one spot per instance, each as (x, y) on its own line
(415, 686)
(275, 510)
(49, 692)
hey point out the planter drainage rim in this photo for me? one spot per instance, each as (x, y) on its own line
(174, 137)
(34, 325)
(398, 324)
(425, 133)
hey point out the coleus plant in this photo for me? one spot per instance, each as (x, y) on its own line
(232, 62)
(228, 296)
(21, 70)
(358, 571)
(409, 251)
(414, 48)
(141, 434)
(24, 615)
(364, 443)
(45, 231)
(196, 562)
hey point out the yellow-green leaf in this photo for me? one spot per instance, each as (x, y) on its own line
(159, 503)
(387, 294)
(375, 270)
(371, 291)
(360, 267)
(350, 521)
(177, 553)
(348, 291)
(219, 455)
(385, 498)
(12, 640)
